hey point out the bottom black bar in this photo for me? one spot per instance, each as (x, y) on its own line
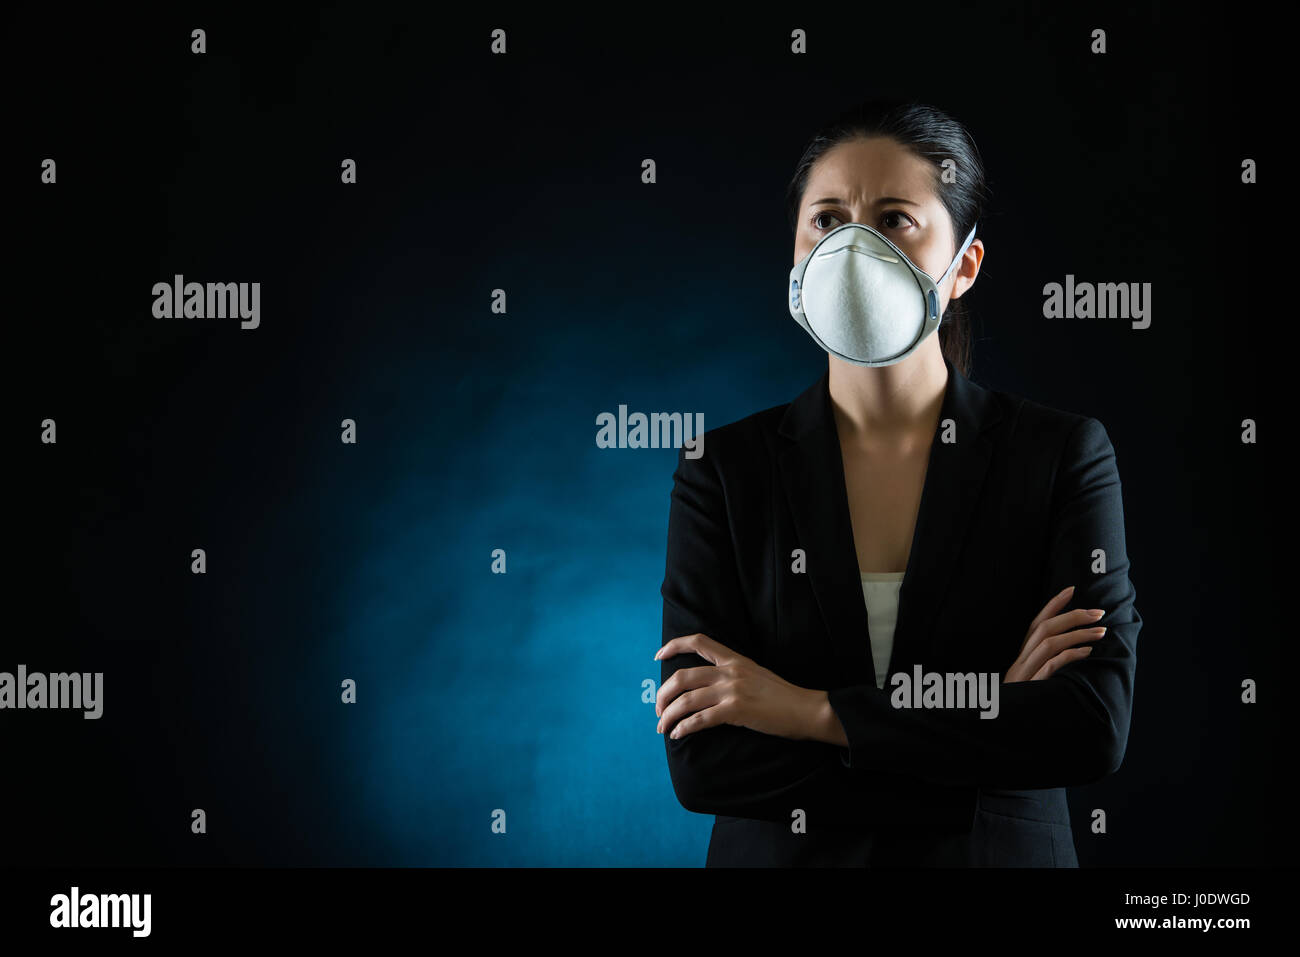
(238, 905)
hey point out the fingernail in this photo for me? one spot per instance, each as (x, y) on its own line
(1096, 612)
(1100, 631)
(657, 654)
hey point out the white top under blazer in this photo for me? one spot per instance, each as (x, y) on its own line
(880, 592)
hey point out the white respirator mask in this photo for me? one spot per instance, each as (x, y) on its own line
(862, 299)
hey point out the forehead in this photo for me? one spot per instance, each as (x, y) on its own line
(862, 169)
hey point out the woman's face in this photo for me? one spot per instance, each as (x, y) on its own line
(877, 182)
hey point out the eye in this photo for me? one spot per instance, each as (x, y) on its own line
(817, 218)
(889, 214)
(887, 219)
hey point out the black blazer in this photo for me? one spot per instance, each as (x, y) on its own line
(1024, 502)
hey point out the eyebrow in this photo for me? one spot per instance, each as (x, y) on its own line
(884, 199)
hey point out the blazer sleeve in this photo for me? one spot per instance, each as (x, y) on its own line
(727, 769)
(1068, 729)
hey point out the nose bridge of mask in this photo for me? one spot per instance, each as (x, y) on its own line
(888, 257)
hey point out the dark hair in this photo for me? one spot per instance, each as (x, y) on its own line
(932, 135)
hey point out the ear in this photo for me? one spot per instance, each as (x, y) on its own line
(963, 277)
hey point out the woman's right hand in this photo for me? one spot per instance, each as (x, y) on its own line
(1050, 641)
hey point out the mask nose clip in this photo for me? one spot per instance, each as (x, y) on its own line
(862, 250)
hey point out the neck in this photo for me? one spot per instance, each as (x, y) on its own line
(890, 406)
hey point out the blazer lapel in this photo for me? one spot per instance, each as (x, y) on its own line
(812, 471)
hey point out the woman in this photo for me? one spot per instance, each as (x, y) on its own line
(897, 620)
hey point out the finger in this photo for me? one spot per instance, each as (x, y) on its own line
(1050, 647)
(1053, 645)
(1074, 618)
(687, 704)
(671, 647)
(699, 644)
(1054, 604)
(1064, 658)
(683, 679)
(707, 718)
(1059, 623)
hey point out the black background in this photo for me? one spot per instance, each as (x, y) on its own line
(1117, 168)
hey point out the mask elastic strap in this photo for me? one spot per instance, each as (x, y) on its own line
(957, 258)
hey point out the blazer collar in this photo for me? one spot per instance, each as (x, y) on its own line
(812, 471)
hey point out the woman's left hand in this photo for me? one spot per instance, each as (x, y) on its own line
(732, 690)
